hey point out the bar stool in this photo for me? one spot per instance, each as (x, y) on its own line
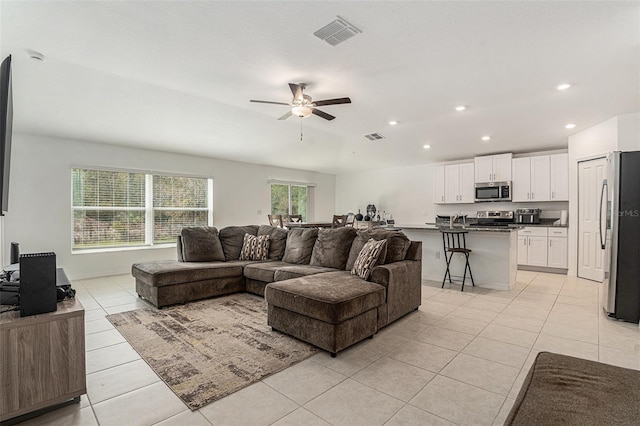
(453, 243)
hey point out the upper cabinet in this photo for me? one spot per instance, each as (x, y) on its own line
(493, 168)
(559, 177)
(438, 185)
(453, 184)
(540, 178)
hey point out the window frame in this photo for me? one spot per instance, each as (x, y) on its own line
(290, 184)
(148, 209)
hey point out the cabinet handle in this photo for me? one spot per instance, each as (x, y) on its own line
(529, 242)
(553, 195)
(549, 243)
(527, 195)
(533, 195)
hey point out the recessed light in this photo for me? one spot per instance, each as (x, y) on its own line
(486, 138)
(570, 126)
(563, 86)
(461, 108)
(426, 146)
(393, 122)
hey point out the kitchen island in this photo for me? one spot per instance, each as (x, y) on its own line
(493, 260)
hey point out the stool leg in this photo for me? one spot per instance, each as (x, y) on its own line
(470, 274)
(447, 272)
(464, 276)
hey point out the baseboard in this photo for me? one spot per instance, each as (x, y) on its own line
(542, 269)
(99, 275)
(491, 286)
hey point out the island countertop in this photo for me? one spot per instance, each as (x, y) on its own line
(470, 228)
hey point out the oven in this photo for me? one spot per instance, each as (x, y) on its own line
(493, 191)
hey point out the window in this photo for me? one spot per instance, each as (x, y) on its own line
(120, 209)
(289, 199)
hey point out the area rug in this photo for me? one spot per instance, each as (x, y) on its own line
(209, 349)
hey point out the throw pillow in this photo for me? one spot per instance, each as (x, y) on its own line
(359, 242)
(201, 244)
(332, 247)
(368, 257)
(300, 242)
(255, 247)
(232, 238)
(277, 240)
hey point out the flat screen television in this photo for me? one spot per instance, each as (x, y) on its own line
(6, 121)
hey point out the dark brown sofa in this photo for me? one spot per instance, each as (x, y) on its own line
(306, 281)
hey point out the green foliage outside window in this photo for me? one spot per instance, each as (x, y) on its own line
(289, 199)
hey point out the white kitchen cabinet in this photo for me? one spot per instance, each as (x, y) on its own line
(438, 185)
(531, 179)
(540, 178)
(493, 168)
(543, 247)
(521, 185)
(559, 171)
(459, 185)
(557, 256)
(533, 250)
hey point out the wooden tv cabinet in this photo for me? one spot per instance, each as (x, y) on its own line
(42, 359)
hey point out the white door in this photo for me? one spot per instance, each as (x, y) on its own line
(521, 185)
(467, 189)
(590, 255)
(540, 185)
(438, 185)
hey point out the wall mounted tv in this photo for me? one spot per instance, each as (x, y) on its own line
(6, 121)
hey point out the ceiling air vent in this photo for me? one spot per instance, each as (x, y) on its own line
(337, 31)
(374, 136)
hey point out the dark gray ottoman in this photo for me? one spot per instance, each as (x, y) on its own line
(332, 311)
(168, 282)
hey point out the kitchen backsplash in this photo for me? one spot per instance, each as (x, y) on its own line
(549, 210)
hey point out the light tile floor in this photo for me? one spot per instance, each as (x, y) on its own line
(460, 359)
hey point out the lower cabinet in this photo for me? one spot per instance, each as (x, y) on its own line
(543, 247)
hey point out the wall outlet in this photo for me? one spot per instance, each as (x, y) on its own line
(438, 254)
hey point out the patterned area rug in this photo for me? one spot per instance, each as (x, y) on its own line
(209, 349)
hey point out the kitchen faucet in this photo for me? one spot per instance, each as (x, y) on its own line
(452, 219)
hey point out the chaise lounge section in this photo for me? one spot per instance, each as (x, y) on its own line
(306, 278)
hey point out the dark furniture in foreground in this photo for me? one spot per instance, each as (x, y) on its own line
(563, 390)
(306, 279)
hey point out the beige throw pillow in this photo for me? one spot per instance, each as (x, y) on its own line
(368, 257)
(255, 247)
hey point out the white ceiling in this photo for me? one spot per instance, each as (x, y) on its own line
(178, 76)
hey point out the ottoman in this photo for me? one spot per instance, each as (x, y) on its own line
(332, 310)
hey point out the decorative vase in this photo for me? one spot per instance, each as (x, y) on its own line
(371, 211)
(367, 218)
(359, 216)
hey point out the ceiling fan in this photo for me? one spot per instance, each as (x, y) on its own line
(303, 105)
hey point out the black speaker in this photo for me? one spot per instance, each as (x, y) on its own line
(15, 253)
(38, 293)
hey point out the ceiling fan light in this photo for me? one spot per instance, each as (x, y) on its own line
(301, 111)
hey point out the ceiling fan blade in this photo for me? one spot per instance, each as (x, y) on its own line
(333, 101)
(296, 89)
(322, 114)
(284, 117)
(270, 102)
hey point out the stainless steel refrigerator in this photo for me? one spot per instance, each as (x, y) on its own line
(620, 236)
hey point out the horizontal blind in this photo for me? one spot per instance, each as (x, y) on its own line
(178, 202)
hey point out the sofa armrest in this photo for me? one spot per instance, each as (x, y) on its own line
(403, 282)
(415, 251)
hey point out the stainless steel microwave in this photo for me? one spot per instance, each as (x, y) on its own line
(493, 191)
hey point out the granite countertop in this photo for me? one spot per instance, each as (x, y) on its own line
(549, 223)
(456, 227)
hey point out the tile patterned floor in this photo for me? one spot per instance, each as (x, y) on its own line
(460, 359)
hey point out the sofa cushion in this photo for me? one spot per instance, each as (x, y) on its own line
(232, 238)
(397, 243)
(169, 272)
(358, 243)
(255, 247)
(263, 271)
(368, 257)
(296, 271)
(201, 244)
(300, 242)
(331, 297)
(332, 247)
(277, 238)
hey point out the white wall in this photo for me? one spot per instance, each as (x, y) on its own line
(39, 215)
(618, 133)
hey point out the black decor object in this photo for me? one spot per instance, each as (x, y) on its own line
(359, 216)
(371, 211)
(38, 294)
(6, 123)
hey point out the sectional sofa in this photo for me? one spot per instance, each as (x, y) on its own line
(305, 275)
